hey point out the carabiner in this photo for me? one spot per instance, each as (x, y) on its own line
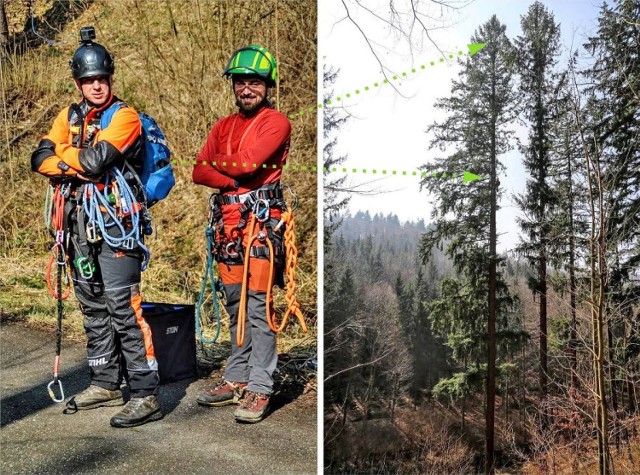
(52, 394)
(228, 247)
(85, 266)
(295, 197)
(261, 210)
(92, 232)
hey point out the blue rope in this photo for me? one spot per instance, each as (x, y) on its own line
(93, 199)
(208, 276)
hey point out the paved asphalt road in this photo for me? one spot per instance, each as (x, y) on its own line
(37, 438)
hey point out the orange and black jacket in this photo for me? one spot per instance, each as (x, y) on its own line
(75, 144)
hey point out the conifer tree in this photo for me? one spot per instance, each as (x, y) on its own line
(334, 202)
(538, 51)
(481, 108)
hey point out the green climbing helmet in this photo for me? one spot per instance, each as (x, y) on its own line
(253, 59)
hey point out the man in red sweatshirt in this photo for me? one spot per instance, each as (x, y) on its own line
(243, 158)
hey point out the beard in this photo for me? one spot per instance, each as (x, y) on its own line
(248, 109)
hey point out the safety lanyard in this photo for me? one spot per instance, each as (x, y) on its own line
(60, 193)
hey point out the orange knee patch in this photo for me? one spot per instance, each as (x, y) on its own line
(136, 303)
(260, 278)
(230, 274)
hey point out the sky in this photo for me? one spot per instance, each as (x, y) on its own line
(386, 129)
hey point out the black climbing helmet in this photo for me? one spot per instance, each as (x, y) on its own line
(91, 59)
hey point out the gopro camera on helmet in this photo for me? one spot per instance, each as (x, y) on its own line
(87, 34)
(91, 59)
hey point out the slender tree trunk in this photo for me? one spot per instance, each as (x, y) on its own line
(506, 402)
(613, 384)
(573, 333)
(632, 403)
(523, 385)
(464, 408)
(598, 275)
(596, 251)
(573, 343)
(4, 30)
(491, 326)
(542, 281)
(542, 269)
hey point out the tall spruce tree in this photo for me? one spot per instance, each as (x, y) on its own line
(481, 108)
(568, 225)
(538, 51)
(334, 202)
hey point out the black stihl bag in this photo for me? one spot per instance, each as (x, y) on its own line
(173, 335)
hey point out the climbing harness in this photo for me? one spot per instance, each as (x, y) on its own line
(259, 217)
(114, 215)
(56, 218)
(119, 203)
(217, 289)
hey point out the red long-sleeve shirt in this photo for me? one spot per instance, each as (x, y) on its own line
(238, 148)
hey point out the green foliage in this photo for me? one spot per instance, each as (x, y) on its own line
(455, 387)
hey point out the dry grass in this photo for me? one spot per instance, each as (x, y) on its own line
(169, 58)
(420, 441)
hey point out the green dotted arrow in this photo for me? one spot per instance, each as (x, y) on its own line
(475, 47)
(469, 177)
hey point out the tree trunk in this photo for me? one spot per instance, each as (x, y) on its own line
(613, 384)
(491, 324)
(632, 374)
(4, 30)
(596, 297)
(573, 343)
(506, 402)
(542, 281)
(463, 411)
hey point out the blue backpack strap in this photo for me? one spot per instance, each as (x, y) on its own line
(107, 114)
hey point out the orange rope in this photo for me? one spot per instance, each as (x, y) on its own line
(57, 221)
(242, 310)
(293, 306)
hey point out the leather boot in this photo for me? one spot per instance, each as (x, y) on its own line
(223, 394)
(95, 396)
(138, 411)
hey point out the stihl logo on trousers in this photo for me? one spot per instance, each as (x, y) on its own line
(98, 362)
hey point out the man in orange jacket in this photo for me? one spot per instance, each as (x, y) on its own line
(106, 279)
(243, 158)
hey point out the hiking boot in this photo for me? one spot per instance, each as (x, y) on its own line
(223, 394)
(139, 410)
(253, 408)
(95, 396)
